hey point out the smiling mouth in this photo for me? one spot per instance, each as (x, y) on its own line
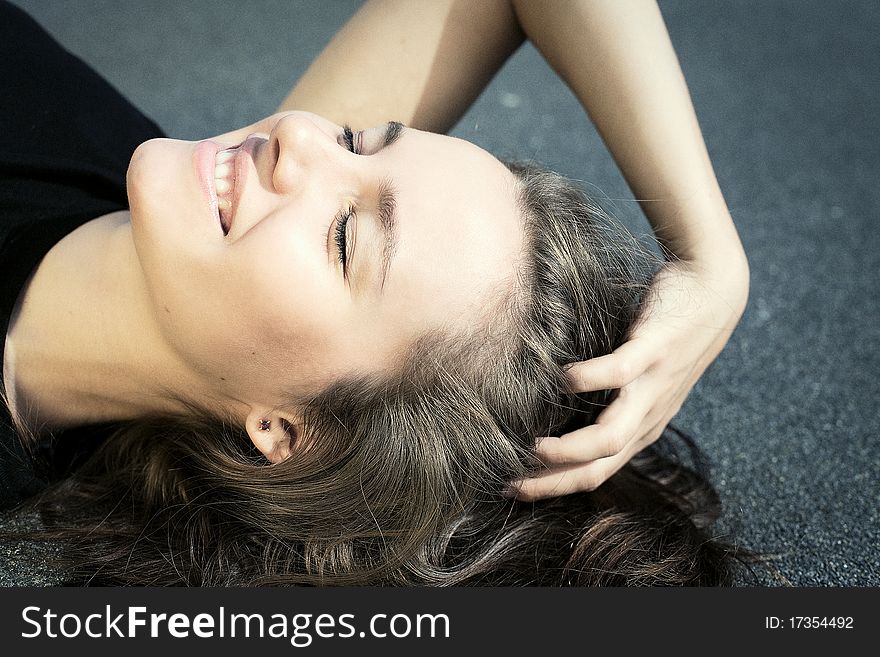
(224, 185)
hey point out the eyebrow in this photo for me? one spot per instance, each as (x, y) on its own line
(386, 205)
(385, 210)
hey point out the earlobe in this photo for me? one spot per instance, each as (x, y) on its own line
(271, 433)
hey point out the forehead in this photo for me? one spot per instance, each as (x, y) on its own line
(459, 232)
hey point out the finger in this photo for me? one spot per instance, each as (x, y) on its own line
(590, 443)
(571, 479)
(574, 478)
(646, 402)
(625, 420)
(559, 482)
(615, 370)
(650, 437)
(583, 477)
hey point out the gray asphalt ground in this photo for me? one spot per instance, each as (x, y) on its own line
(787, 97)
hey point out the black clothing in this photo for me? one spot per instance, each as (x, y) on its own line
(66, 138)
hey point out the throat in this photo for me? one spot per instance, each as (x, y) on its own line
(77, 344)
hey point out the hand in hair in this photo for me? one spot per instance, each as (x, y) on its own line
(687, 319)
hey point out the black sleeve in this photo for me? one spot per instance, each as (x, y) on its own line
(66, 137)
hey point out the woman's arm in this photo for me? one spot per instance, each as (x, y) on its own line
(422, 63)
(618, 59)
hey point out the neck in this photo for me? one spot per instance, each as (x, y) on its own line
(82, 346)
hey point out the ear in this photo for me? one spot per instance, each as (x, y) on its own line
(277, 441)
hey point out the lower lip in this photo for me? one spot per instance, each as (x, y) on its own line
(205, 158)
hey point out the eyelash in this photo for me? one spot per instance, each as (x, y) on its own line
(348, 138)
(341, 245)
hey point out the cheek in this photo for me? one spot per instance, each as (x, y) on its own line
(286, 296)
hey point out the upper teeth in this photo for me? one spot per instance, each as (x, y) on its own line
(224, 179)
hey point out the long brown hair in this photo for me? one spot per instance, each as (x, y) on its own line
(397, 477)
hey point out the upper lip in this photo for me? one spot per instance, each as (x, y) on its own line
(241, 165)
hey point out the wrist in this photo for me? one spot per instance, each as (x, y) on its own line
(719, 252)
(726, 270)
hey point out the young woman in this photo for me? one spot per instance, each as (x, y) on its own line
(325, 353)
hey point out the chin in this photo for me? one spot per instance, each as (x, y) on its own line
(163, 195)
(143, 181)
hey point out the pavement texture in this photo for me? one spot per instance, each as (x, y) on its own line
(787, 98)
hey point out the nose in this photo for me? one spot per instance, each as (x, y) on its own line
(303, 148)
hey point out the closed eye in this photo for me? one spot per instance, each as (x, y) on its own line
(341, 236)
(353, 140)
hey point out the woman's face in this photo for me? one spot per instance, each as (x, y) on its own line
(326, 261)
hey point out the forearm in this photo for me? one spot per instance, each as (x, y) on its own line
(618, 60)
(422, 63)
